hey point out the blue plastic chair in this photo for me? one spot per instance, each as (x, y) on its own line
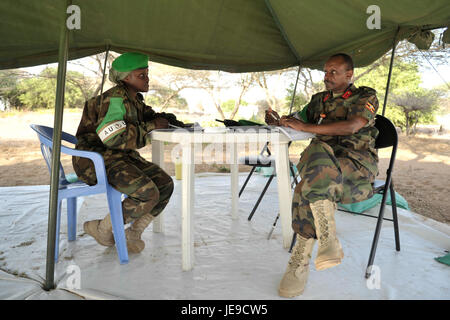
(71, 190)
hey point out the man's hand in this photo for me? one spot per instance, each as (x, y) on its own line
(291, 122)
(272, 118)
(161, 123)
(338, 128)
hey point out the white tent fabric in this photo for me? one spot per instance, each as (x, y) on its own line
(233, 258)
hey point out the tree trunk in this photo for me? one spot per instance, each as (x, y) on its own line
(238, 102)
(219, 109)
(407, 123)
(166, 102)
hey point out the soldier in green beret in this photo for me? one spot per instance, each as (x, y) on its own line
(339, 165)
(115, 124)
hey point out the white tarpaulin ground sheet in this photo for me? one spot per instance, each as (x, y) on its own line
(233, 258)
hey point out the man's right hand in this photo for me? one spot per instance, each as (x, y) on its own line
(161, 123)
(272, 118)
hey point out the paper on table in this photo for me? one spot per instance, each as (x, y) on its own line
(293, 134)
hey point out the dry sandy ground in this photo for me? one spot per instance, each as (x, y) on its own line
(421, 173)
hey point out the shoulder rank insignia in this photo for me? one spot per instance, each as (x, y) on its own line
(370, 107)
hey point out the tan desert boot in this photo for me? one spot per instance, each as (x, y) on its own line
(329, 253)
(134, 232)
(296, 275)
(101, 231)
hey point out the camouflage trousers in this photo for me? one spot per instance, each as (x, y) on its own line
(147, 186)
(326, 177)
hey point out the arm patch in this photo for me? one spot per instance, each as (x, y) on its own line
(111, 130)
(113, 123)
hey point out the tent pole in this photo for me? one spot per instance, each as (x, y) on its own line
(57, 128)
(103, 75)
(390, 71)
(295, 89)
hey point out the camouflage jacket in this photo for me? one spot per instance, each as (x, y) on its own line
(120, 123)
(362, 101)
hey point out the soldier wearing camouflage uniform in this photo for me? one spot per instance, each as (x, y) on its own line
(339, 165)
(115, 125)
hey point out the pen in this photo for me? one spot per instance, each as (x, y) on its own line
(322, 116)
(273, 116)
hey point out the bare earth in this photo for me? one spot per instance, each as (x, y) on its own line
(421, 174)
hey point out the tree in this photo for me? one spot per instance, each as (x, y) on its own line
(244, 82)
(167, 83)
(160, 96)
(415, 105)
(213, 83)
(300, 99)
(216, 82)
(39, 92)
(229, 106)
(263, 80)
(405, 77)
(9, 93)
(94, 65)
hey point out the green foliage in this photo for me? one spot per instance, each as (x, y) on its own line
(228, 106)
(9, 94)
(421, 105)
(210, 123)
(405, 77)
(394, 114)
(418, 106)
(300, 100)
(257, 118)
(39, 92)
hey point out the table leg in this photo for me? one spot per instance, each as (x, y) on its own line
(281, 153)
(158, 158)
(187, 205)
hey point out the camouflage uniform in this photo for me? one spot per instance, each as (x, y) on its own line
(336, 168)
(115, 130)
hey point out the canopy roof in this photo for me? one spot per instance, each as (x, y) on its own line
(230, 35)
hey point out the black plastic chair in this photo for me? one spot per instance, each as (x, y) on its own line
(387, 137)
(262, 160)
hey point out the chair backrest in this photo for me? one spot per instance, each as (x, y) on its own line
(387, 137)
(45, 135)
(387, 134)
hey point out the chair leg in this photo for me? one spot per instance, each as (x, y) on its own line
(260, 197)
(115, 207)
(291, 166)
(394, 217)
(294, 239)
(377, 233)
(72, 218)
(246, 180)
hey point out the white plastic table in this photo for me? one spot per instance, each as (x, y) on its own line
(190, 141)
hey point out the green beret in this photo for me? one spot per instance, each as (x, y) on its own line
(130, 61)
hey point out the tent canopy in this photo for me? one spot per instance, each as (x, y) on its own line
(229, 35)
